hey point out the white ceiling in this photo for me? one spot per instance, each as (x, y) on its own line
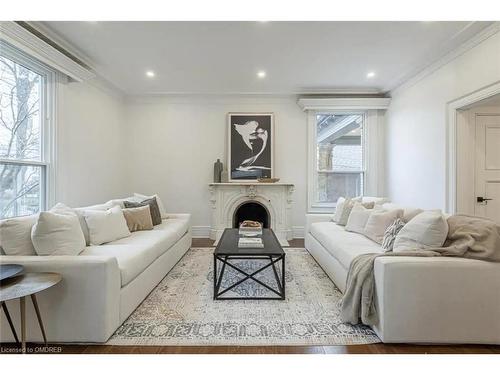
(224, 57)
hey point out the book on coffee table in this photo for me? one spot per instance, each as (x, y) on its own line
(250, 242)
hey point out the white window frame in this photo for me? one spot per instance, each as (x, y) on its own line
(314, 205)
(47, 126)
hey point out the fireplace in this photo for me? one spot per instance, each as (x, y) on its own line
(251, 211)
(269, 203)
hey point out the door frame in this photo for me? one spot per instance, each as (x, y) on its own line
(453, 121)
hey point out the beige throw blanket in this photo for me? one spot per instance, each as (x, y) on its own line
(468, 237)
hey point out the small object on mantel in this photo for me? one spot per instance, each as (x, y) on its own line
(217, 171)
(268, 180)
(224, 177)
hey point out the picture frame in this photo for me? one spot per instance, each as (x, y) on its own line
(250, 146)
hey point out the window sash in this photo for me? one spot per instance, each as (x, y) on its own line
(314, 204)
(47, 126)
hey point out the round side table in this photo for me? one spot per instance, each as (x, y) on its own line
(21, 287)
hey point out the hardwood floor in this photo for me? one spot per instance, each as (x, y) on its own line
(338, 349)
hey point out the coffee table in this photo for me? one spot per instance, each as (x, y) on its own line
(227, 250)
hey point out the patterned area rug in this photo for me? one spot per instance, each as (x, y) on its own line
(181, 309)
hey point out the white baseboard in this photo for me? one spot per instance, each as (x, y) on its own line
(203, 231)
(298, 232)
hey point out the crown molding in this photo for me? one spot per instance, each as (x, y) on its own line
(420, 74)
(22, 39)
(343, 103)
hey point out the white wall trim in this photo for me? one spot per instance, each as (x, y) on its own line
(457, 52)
(200, 231)
(203, 231)
(298, 232)
(22, 39)
(318, 104)
(451, 144)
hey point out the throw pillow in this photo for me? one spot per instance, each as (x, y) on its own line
(358, 218)
(138, 218)
(163, 212)
(15, 235)
(391, 233)
(346, 211)
(338, 209)
(153, 207)
(426, 230)
(378, 222)
(106, 226)
(58, 233)
(81, 211)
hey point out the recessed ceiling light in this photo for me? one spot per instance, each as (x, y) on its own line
(370, 75)
(261, 74)
(150, 73)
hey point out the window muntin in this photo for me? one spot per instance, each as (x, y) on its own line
(24, 133)
(339, 157)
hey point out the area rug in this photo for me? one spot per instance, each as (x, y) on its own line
(181, 309)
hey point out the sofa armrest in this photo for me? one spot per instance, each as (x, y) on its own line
(437, 300)
(83, 307)
(316, 218)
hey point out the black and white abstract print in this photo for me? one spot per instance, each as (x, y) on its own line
(250, 145)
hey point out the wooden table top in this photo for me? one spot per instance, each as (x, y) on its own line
(27, 284)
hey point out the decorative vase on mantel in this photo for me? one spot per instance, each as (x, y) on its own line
(217, 171)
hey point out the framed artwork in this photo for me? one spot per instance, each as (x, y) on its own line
(250, 149)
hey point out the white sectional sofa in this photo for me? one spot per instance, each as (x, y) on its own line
(103, 285)
(419, 300)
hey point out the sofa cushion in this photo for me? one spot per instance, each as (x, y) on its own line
(57, 232)
(378, 222)
(426, 230)
(80, 210)
(106, 226)
(341, 244)
(136, 252)
(408, 212)
(15, 235)
(358, 218)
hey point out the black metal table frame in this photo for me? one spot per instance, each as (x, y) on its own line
(273, 259)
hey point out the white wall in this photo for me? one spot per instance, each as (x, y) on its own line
(174, 141)
(416, 125)
(90, 145)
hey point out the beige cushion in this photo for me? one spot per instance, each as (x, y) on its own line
(138, 218)
(346, 211)
(15, 235)
(358, 218)
(106, 226)
(408, 214)
(426, 230)
(379, 221)
(57, 233)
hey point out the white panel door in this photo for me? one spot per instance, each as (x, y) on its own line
(487, 175)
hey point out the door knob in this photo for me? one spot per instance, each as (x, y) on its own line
(481, 199)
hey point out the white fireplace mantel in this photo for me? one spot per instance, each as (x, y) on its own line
(277, 198)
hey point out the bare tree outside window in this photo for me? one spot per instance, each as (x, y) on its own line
(21, 172)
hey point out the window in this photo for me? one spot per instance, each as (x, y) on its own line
(25, 146)
(338, 162)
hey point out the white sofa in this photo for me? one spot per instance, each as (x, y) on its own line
(419, 300)
(102, 286)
